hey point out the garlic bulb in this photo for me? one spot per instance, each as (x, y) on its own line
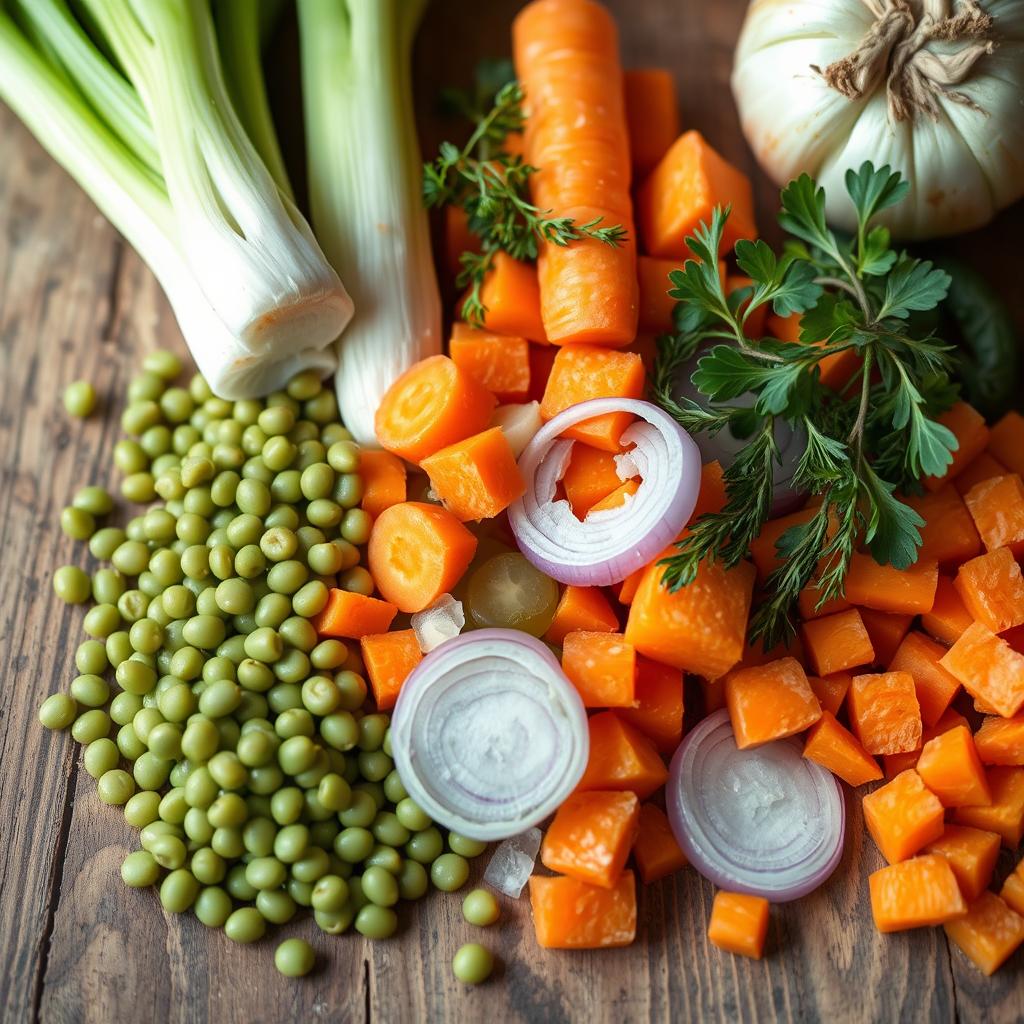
(934, 88)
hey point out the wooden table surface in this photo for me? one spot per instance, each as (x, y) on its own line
(76, 945)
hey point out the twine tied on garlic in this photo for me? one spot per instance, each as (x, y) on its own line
(896, 47)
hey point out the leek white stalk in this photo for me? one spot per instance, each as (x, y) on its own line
(249, 248)
(364, 185)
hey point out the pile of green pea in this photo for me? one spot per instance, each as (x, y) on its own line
(240, 744)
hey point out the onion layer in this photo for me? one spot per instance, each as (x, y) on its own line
(489, 736)
(608, 545)
(765, 821)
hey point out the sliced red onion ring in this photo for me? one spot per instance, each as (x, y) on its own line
(765, 821)
(608, 545)
(489, 736)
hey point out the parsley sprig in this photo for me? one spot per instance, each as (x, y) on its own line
(492, 186)
(867, 445)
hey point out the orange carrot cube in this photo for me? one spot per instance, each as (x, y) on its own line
(903, 816)
(972, 854)
(997, 508)
(711, 497)
(948, 535)
(984, 467)
(1006, 442)
(602, 667)
(831, 690)
(886, 631)
(991, 587)
(838, 750)
(988, 933)
(989, 669)
(384, 480)
(968, 425)
(1001, 740)
(810, 598)
(621, 758)
(948, 618)
(770, 702)
(739, 923)
(581, 608)
(884, 712)
(511, 293)
(1012, 891)
(389, 658)
(658, 710)
(952, 770)
(500, 363)
(591, 836)
(934, 686)
(570, 914)
(763, 551)
(354, 616)
(618, 497)
(887, 589)
(590, 476)
(835, 643)
(897, 763)
(652, 115)
(582, 372)
(656, 305)
(1005, 815)
(915, 894)
(656, 851)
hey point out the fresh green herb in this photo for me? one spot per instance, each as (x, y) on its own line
(492, 186)
(866, 445)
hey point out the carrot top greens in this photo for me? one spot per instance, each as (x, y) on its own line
(866, 444)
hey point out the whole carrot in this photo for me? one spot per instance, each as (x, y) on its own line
(567, 59)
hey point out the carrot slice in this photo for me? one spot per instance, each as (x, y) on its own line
(968, 425)
(984, 467)
(739, 923)
(590, 476)
(621, 758)
(570, 914)
(838, 750)
(997, 507)
(652, 115)
(915, 894)
(581, 608)
(952, 770)
(948, 535)
(1001, 740)
(591, 835)
(831, 690)
(770, 702)
(1012, 891)
(972, 854)
(1005, 815)
(583, 372)
(989, 668)
(903, 816)
(656, 852)
(658, 708)
(500, 363)
(887, 589)
(886, 631)
(835, 643)
(389, 658)
(688, 182)
(433, 404)
(948, 618)
(602, 667)
(354, 616)
(384, 480)
(418, 552)
(618, 497)
(988, 933)
(884, 712)
(991, 587)
(511, 295)
(934, 686)
(1006, 442)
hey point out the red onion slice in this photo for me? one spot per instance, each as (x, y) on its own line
(608, 545)
(489, 736)
(765, 821)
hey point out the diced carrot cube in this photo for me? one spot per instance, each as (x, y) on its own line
(988, 933)
(500, 363)
(838, 750)
(886, 631)
(897, 763)
(989, 669)
(935, 687)
(903, 816)
(602, 667)
(948, 535)
(570, 914)
(1001, 740)
(991, 587)
(354, 616)
(763, 552)
(711, 497)
(621, 758)
(887, 589)
(1012, 891)
(834, 370)
(511, 294)
(591, 836)
(884, 712)
(835, 643)
(682, 190)
(810, 598)
(831, 690)
(582, 372)
(968, 425)
(948, 618)
(739, 923)
(652, 115)
(984, 467)
(658, 711)
(915, 894)
(389, 658)
(755, 653)
(656, 851)
(1005, 814)
(952, 770)
(700, 628)
(656, 305)
(770, 702)
(972, 854)
(581, 608)
(617, 498)
(997, 508)
(590, 476)
(384, 480)
(1006, 442)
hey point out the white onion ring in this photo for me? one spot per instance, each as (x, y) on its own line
(489, 736)
(765, 820)
(608, 545)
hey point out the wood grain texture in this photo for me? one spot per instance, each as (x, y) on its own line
(75, 945)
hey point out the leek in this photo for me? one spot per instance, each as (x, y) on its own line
(364, 184)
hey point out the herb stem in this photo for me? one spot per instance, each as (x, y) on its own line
(857, 433)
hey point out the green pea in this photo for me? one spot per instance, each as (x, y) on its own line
(90, 726)
(236, 884)
(425, 846)
(357, 581)
(264, 644)
(361, 811)
(204, 631)
(371, 731)
(71, 584)
(138, 488)
(465, 846)
(227, 770)
(343, 456)
(100, 757)
(412, 880)
(168, 850)
(291, 842)
(229, 810)
(334, 792)
(77, 523)
(473, 963)
(331, 433)
(353, 845)
(276, 420)
(150, 771)
(396, 793)
(197, 826)
(277, 906)
(129, 744)
(142, 809)
(330, 893)
(146, 636)
(296, 754)
(356, 526)
(286, 805)
(135, 676)
(200, 740)
(323, 834)
(340, 730)
(208, 866)
(313, 864)
(287, 577)
(220, 698)
(299, 632)
(380, 887)
(183, 437)
(294, 958)
(375, 765)
(146, 720)
(292, 667)
(163, 364)
(89, 690)
(178, 891)
(212, 906)
(389, 830)
(411, 816)
(177, 702)
(449, 872)
(324, 513)
(105, 542)
(266, 873)
(124, 707)
(165, 741)
(310, 599)
(79, 399)
(376, 922)
(480, 908)
(349, 490)
(228, 843)
(140, 869)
